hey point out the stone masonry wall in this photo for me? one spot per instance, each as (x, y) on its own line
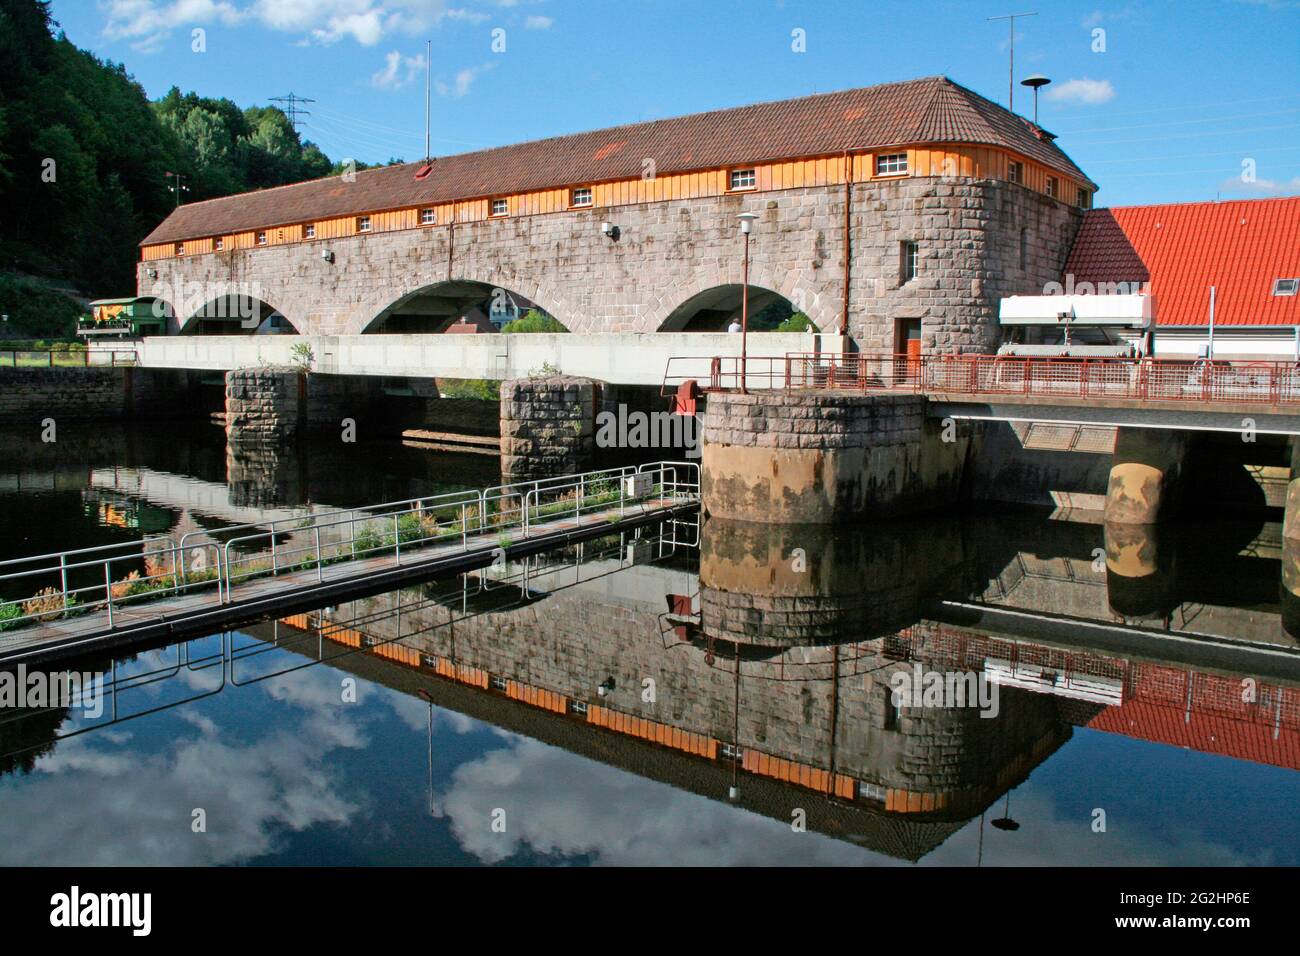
(29, 395)
(547, 427)
(968, 231)
(273, 406)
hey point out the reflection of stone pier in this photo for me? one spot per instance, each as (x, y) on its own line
(770, 584)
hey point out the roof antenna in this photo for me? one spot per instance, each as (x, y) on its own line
(428, 71)
(1011, 73)
(1035, 81)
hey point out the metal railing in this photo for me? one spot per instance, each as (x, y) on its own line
(1142, 379)
(67, 358)
(109, 579)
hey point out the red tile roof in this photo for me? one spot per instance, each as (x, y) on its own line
(929, 110)
(1206, 732)
(1240, 247)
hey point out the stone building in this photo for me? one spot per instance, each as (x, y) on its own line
(898, 213)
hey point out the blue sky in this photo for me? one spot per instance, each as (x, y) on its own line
(1165, 105)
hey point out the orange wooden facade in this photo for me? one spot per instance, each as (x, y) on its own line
(976, 162)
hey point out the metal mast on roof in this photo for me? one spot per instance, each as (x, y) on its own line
(1011, 74)
(428, 72)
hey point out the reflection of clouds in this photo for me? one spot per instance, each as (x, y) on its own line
(1048, 839)
(558, 803)
(89, 804)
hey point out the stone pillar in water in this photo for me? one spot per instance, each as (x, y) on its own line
(547, 427)
(821, 457)
(1144, 474)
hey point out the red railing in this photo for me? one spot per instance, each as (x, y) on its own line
(714, 373)
(1166, 380)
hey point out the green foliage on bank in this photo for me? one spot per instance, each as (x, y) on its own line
(83, 156)
(36, 312)
(534, 320)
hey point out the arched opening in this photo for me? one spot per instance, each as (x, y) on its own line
(235, 314)
(461, 305)
(716, 309)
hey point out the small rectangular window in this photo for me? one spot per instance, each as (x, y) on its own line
(891, 164)
(1051, 186)
(497, 683)
(218, 243)
(731, 752)
(1015, 172)
(891, 709)
(261, 238)
(581, 196)
(1084, 198)
(180, 248)
(309, 231)
(743, 179)
(500, 207)
(1286, 286)
(363, 223)
(1024, 248)
(428, 217)
(578, 708)
(909, 261)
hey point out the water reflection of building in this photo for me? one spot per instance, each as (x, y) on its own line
(779, 698)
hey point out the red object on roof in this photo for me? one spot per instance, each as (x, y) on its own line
(1240, 247)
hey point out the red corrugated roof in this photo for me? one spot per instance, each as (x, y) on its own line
(1239, 247)
(1205, 732)
(929, 110)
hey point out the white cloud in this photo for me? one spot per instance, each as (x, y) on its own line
(1261, 187)
(459, 86)
(538, 22)
(398, 71)
(1091, 92)
(147, 23)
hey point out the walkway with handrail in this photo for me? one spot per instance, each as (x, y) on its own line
(1074, 379)
(81, 599)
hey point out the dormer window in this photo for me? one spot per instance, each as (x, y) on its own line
(891, 164)
(1286, 286)
(742, 179)
(500, 207)
(581, 196)
(363, 223)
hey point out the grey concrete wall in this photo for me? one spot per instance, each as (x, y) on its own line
(968, 231)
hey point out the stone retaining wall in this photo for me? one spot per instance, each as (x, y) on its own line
(30, 395)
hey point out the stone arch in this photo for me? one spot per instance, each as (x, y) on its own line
(234, 313)
(793, 286)
(444, 300)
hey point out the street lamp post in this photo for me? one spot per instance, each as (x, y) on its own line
(746, 221)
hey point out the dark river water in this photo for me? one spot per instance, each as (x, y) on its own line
(694, 692)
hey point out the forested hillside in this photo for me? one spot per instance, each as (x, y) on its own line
(83, 156)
